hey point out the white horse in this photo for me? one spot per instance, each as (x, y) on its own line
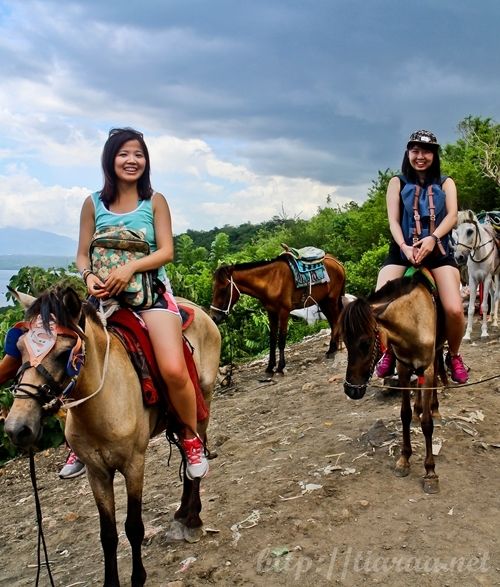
(476, 246)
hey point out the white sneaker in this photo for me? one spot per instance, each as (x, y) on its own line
(197, 463)
(73, 467)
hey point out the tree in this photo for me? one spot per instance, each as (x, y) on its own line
(473, 162)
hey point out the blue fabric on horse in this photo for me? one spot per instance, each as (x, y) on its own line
(307, 274)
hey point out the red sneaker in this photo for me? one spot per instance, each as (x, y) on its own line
(459, 372)
(385, 367)
(197, 464)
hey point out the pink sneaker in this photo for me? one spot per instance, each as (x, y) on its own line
(385, 366)
(459, 372)
(197, 464)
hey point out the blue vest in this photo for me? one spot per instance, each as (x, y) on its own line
(408, 224)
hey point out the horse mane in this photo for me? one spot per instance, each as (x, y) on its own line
(225, 271)
(396, 288)
(356, 318)
(60, 303)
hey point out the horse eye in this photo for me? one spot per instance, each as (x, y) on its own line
(470, 232)
(63, 356)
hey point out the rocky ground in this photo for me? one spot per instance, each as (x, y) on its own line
(302, 491)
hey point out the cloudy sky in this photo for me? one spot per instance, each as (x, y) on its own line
(250, 109)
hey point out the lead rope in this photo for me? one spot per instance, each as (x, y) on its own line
(39, 519)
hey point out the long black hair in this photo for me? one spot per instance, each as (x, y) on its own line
(117, 137)
(432, 175)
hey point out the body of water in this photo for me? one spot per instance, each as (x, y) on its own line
(5, 275)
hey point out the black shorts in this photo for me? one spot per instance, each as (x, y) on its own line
(395, 257)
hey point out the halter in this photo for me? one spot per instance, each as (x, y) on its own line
(39, 344)
(376, 354)
(476, 246)
(232, 286)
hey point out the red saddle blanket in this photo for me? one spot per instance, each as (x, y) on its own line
(129, 329)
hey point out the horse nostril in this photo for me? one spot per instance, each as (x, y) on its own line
(21, 436)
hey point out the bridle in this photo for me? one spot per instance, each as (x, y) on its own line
(476, 246)
(376, 354)
(51, 394)
(233, 287)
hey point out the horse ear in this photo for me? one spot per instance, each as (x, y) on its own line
(24, 299)
(72, 303)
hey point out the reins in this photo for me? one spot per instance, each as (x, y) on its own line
(39, 519)
(438, 387)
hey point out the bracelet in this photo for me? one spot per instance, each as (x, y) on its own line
(402, 243)
(85, 274)
(436, 238)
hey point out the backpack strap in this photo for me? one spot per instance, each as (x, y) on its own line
(416, 215)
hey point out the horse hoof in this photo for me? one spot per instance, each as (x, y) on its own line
(175, 533)
(192, 535)
(402, 471)
(431, 485)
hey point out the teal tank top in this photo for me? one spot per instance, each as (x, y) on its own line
(141, 219)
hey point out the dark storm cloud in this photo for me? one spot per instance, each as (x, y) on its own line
(325, 89)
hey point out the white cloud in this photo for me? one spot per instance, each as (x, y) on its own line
(26, 203)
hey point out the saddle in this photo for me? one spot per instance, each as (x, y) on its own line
(125, 324)
(307, 265)
(430, 282)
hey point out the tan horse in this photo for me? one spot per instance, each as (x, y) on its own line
(405, 314)
(111, 427)
(272, 283)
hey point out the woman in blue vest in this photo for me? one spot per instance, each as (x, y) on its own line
(418, 239)
(127, 200)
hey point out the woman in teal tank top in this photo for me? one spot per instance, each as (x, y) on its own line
(127, 199)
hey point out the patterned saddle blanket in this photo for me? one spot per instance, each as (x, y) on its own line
(306, 265)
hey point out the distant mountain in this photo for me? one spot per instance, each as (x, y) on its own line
(22, 241)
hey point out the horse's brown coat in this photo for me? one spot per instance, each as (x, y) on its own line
(272, 283)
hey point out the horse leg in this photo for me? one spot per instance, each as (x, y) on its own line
(484, 306)
(134, 526)
(102, 488)
(431, 480)
(417, 406)
(403, 464)
(273, 333)
(471, 309)
(282, 334)
(187, 524)
(327, 307)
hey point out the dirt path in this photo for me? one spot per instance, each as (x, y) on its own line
(302, 491)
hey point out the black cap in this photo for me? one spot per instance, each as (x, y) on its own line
(423, 137)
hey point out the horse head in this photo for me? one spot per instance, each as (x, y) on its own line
(467, 234)
(52, 353)
(359, 332)
(225, 293)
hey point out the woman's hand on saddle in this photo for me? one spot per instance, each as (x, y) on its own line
(423, 248)
(118, 279)
(96, 287)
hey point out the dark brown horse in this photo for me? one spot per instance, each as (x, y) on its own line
(108, 426)
(272, 283)
(405, 314)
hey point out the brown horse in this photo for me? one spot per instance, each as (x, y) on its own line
(405, 313)
(272, 283)
(108, 425)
